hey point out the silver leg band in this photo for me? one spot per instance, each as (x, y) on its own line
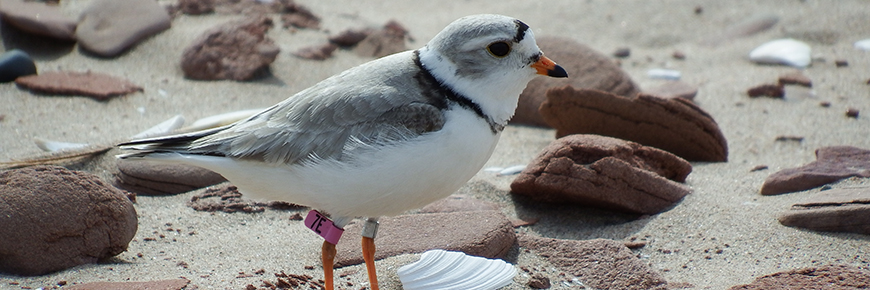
(370, 228)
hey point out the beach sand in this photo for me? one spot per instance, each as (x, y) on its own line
(725, 211)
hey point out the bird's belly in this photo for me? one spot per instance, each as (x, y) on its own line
(386, 181)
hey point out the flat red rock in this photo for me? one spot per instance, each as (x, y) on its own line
(96, 85)
(832, 164)
(172, 284)
(605, 172)
(825, 277)
(675, 125)
(478, 233)
(834, 210)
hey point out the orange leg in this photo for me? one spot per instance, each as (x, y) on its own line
(328, 258)
(368, 251)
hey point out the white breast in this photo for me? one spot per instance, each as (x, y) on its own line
(387, 181)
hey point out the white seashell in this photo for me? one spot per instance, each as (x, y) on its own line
(161, 129)
(863, 44)
(783, 51)
(516, 169)
(667, 74)
(440, 269)
(55, 146)
(221, 119)
(493, 169)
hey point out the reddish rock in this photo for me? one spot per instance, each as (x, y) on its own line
(674, 89)
(835, 210)
(91, 84)
(605, 172)
(795, 78)
(163, 179)
(196, 7)
(350, 37)
(852, 113)
(599, 263)
(539, 281)
(388, 40)
(825, 277)
(227, 198)
(299, 16)
(318, 52)
(54, 219)
(38, 18)
(459, 202)
(172, 284)
(586, 68)
(832, 164)
(108, 27)
(478, 233)
(675, 125)
(237, 50)
(766, 90)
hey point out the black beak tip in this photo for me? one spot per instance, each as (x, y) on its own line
(557, 72)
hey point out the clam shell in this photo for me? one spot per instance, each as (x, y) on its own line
(783, 51)
(440, 269)
(863, 44)
(664, 74)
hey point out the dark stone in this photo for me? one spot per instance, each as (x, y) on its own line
(675, 125)
(15, 63)
(605, 172)
(832, 164)
(54, 219)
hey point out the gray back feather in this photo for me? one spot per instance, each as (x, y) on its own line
(376, 103)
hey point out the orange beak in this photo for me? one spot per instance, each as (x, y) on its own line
(547, 67)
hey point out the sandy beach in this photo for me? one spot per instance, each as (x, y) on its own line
(725, 211)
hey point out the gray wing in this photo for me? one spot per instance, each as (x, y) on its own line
(376, 103)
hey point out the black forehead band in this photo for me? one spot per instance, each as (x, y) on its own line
(521, 30)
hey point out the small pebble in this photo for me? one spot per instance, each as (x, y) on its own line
(767, 90)
(825, 104)
(15, 63)
(622, 52)
(852, 113)
(665, 74)
(863, 44)
(678, 55)
(841, 63)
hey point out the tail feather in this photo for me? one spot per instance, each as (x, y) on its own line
(175, 143)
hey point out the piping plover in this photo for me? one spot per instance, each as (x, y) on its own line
(379, 139)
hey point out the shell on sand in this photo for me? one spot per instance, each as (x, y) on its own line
(440, 269)
(783, 51)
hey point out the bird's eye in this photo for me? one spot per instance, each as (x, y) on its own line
(499, 49)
